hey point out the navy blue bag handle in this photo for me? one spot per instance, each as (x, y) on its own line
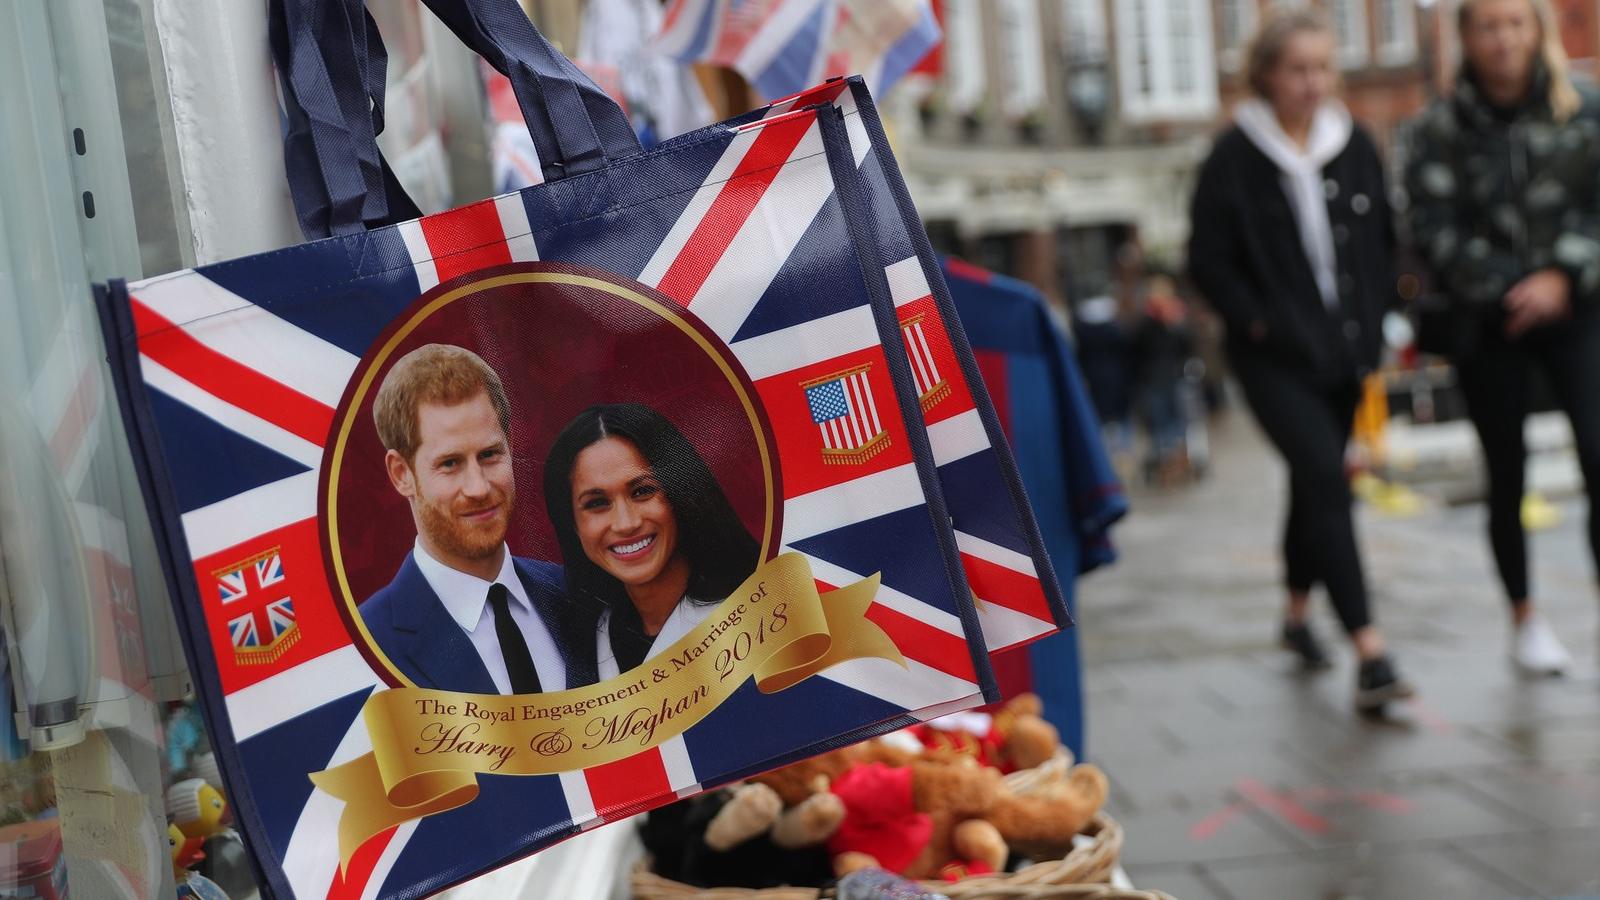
(321, 153)
(332, 64)
(576, 126)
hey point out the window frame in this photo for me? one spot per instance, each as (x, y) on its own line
(1230, 56)
(1399, 47)
(1162, 102)
(1353, 28)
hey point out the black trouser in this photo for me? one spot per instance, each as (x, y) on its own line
(1310, 425)
(1495, 381)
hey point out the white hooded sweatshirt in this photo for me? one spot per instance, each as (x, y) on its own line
(1301, 173)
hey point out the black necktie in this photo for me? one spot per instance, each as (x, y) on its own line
(519, 663)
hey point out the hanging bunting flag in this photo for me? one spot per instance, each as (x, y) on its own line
(784, 46)
(662, 97)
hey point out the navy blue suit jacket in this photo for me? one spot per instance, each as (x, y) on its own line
(418, 635)
(412, 627)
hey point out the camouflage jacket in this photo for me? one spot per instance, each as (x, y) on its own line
(1495, 195)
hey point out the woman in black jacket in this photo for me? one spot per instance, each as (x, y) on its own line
(1293, 244)
(1504, 188)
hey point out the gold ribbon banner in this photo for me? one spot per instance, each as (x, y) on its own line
(429, 746)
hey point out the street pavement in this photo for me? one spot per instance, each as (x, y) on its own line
(1238, 777)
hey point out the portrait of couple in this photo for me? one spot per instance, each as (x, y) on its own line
(650, 544)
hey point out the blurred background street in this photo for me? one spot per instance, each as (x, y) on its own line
(1238, 777)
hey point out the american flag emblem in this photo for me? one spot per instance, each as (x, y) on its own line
(931, 386)
(255, 598)
(847, 415)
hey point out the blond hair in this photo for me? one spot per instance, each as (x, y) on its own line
(1266, 48)
(433, 373)
(1564, 97)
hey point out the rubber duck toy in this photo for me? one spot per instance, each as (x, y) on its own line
(196, 808)
(186, 852)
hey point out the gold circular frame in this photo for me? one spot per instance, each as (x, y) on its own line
(670, 312)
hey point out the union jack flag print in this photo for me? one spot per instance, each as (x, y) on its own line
(229, 376)
(847, 416)
(1002, 551)
(254, 595)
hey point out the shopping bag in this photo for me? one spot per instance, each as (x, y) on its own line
(653, 365)
(1002, 552)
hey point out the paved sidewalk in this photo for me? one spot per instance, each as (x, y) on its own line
(1237, 777)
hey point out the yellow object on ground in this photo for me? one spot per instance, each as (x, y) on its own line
(1539, 513)
(1387, 497)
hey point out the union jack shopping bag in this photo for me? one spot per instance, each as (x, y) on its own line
(498, 524)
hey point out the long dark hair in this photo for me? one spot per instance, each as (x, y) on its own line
(719, 549)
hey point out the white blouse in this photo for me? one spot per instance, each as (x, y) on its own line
(685, 616)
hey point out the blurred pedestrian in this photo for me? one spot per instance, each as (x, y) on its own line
(1293, 244)
(1162, 346)
(1104, 356)
(1504, 189)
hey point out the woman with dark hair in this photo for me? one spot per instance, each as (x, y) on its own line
(647, 535)
(1292, 244)
(1504, 188)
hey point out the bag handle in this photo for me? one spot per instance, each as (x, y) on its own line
(340, 182)
(322, 156)
(576, 126)
(332, 63)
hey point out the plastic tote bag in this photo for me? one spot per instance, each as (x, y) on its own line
(494, 525)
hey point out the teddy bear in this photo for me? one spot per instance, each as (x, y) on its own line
(742, 836)
(765, 832)
(951, 819)
(1013, 738)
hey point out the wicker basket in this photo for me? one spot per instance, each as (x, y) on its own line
(1080, 875)
(1083, 873)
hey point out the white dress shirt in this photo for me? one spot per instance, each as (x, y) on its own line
(685, 616)
(466, 598)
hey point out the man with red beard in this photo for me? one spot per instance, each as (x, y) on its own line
(463, 614)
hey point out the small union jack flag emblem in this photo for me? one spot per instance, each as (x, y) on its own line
(259, 611)
(846, 414)
(931, 386)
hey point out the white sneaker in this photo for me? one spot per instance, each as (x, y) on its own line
(1535, 649)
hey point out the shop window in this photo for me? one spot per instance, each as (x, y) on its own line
(91, 676)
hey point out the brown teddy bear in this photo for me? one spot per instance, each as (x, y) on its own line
(952, 819)
(1013, 738)
(811, 813)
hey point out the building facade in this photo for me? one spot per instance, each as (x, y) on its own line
(1059, 139)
